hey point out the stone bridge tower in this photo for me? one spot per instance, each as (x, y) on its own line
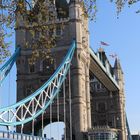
(91, 108)
(108, 105)
(30, 77)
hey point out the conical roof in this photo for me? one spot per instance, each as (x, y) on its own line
(117, 64)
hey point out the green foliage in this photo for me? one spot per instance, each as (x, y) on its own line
(33, 17)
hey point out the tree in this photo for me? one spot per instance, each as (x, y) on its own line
(37, 18)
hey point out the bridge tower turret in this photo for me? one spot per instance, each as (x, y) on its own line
(29, 78)
(121, 103)
(80, 70)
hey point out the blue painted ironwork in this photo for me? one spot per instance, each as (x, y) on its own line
(31, 107)
(5, 69)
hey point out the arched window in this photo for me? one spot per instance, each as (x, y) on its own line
(62, 8)
(47, 66)
(32, 68)
(58, 31)
(29, 90)
(101, 107)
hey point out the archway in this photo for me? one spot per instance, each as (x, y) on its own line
(54, 130)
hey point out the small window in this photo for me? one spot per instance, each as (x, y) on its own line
(29, 90)
(41, 66)
(95, 124)
(32, 68)
(23, 61)
(98, 86)
(51, 15)
(37, 34)
(18, 62)
(101, 107)
(58, 31)
(62, 8)
(47, 66)
(51, 32)
(102, 122)
(110, 124)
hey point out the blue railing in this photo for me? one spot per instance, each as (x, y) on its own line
(4, 135)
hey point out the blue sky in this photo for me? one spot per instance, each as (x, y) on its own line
(123, 35)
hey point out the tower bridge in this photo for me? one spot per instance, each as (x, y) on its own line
(85, 91)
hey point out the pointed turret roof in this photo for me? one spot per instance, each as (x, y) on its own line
(117, 64)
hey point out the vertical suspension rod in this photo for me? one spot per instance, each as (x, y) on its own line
(22, 126)
(42, 117)
(9, 86)
(70, 104)
(64, 102)
(50, 120)
(33, 119)
(42, 124)
(58, 114)
(33, 127)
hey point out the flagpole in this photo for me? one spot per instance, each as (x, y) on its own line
(100, 53)
(102, 49)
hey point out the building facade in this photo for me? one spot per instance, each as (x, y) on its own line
(105, 104)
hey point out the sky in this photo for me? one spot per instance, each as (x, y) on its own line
(123, 36)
